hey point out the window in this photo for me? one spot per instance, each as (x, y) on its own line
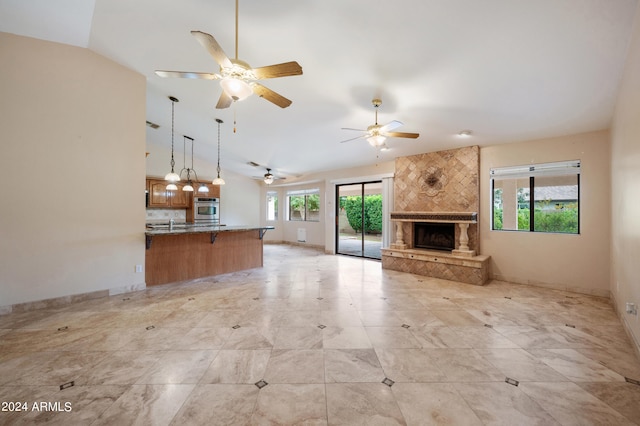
(272, 205)
(304, 205)
(537, 198)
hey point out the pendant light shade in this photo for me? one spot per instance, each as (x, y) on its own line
(218, 180)
(172, 176)
(203, 188)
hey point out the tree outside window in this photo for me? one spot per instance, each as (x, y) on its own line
(304, 206)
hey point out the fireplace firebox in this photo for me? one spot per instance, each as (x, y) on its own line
(434, 236)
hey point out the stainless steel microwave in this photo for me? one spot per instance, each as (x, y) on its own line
(206, 209)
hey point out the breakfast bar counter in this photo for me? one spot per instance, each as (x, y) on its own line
(186, 252)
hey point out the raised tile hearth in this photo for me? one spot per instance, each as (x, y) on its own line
(471, 270)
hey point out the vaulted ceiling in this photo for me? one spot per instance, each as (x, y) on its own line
(506, 70)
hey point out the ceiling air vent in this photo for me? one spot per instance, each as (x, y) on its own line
(253, 163)
(152, 125)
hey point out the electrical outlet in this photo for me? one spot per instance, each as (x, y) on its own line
(632, 309)
(138, 269)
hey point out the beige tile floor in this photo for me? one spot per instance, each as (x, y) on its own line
(335, 339)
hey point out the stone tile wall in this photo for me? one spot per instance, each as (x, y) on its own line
(442, 181)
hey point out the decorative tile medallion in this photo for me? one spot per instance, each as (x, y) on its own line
(511, 381)
(260, 384)
(387, 381)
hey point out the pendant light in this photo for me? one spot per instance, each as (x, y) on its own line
(189, 186)
(172, 177)
(218, 180)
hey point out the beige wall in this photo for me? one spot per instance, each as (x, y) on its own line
(72, 153)
(625, 189)
(574, 262)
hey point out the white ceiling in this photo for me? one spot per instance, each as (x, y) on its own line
(509, 70)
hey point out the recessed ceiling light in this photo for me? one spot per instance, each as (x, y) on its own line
(465, 134)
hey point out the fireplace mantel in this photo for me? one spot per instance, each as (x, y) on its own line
(442, 217)
(463, 219)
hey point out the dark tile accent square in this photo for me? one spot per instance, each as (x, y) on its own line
(151, 327)
(511, 381)
(445, 297)
(508, 297)
(406, 325)
(320, 298)
(321, 326)
(67, 385)
(192, 298)
(235, 327)
(126, 298)
(632, 381)
(570, 325)
(256, 298)
(260, 384)
(488, 325)
(65, 328)
(387, 381)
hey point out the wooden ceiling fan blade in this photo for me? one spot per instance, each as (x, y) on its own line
(402, 135)
(224, 101)
(188, 74)
(270, 95)
(390, 126)
(208, 42)
(353, 139)
(278, 70)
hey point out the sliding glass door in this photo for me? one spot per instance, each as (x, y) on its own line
(359, 219)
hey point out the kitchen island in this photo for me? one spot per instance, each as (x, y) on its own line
(187, 251)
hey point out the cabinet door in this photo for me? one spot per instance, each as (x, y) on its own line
(158, 194)
(180, 198)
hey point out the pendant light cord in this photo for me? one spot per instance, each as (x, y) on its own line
(173, 163)
(219, 121)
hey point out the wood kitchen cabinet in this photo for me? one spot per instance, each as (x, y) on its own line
(160, 197)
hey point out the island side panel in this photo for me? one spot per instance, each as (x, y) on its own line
(173, 258)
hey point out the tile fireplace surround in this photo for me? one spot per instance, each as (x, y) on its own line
(438, 187)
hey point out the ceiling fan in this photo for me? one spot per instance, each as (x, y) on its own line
(377, 134)
(237, 78)
(269, 178)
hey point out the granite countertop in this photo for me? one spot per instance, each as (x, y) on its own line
(189, 228)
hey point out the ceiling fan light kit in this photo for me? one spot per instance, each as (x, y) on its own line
(268, 177)
(172, 176)
(376, 140)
